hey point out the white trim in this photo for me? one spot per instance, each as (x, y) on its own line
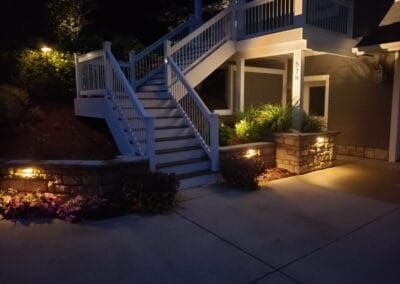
(298, 87)
(384, 47)
(324, 79)
(285, 83)
(394, 141)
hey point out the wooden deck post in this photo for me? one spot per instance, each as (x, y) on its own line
(298, 88)
(239, 85)
(394, 142)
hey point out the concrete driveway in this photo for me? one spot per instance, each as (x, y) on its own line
(340, 225)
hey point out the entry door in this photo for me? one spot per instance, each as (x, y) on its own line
(316, 97)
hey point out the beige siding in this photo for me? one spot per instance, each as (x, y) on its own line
(262, 89)
(358, 107)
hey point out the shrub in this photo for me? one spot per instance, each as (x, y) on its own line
(242, 172)
(28, 204)
(46, 75)
(13, 105)
(151, 193)
(275, 118)
(312, 123)
(225, 134)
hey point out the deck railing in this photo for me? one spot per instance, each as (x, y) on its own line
(331, 15)
(203, 122)
(263, 16)
(202, 41)
(151, 59)
(90, 78)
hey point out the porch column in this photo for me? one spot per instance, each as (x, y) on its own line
(198, 13)
(394, 142)
(239, 85)
(298, 88)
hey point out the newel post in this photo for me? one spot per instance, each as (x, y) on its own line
(77, 75)
(167, 53)
(214, 141)
(107, 66)
(150, 142)
(132, 73)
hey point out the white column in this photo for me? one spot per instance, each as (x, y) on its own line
(394, 142)
(298, 87)
(239, 85)
(285, 83)
(198, 13)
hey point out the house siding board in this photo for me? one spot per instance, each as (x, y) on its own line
(262, 89)
(358, 107)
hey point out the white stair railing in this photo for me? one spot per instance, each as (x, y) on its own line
(139, 125)
(89, 71)
(202, 41)
(203, 122)
(264, 16)
(150, 60)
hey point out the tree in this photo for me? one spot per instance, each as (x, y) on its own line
(69, 18)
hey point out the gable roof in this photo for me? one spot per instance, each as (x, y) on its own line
(388, 30)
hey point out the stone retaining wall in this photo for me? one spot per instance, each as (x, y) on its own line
(363, 152)
(305, 152)
(263, 150)
(69, 177)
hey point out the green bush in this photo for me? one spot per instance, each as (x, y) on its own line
(312, 123)
(225, 134)
(13, 105)
(242, 172)
(46, 75)
(275, 118)
(151, 193)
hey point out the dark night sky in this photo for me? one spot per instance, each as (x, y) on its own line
(24, 19)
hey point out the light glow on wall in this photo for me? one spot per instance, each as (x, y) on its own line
(251, 153)
(27, 173)
(46, 49)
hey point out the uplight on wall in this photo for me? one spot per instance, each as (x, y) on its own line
(251, 153)
(27, 173)
(46, 49)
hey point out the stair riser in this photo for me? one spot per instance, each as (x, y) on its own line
(156, 81)
(152, 88)
(157, 103)
(152, 95)
(187, 168)
(179, 156)
(165, 122)
(164, 133)
(164, 145)
(163, 112)
(199, 181)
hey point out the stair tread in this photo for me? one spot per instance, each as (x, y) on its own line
(182, 162)
(175, 138)
(171, 127)
(175, 150)
(166, 117)
(171, 107)
(196, 174)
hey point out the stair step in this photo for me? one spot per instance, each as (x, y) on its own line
(185, 166)
(166, 132)
(169, 121)
(179, 154)
(196, 179)
(175, 142)
(169, 111)
(155, 81)
(156, 103)
(153, 95)
(152, 88)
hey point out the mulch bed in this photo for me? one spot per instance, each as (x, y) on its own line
(274, 174)
(59, 134)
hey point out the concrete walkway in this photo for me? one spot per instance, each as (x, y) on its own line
(340, 225)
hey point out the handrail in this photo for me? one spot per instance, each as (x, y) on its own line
(148, 61)
(203, 40)
(137, 123)
(203, 122)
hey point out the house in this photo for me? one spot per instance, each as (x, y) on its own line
(320, 56)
